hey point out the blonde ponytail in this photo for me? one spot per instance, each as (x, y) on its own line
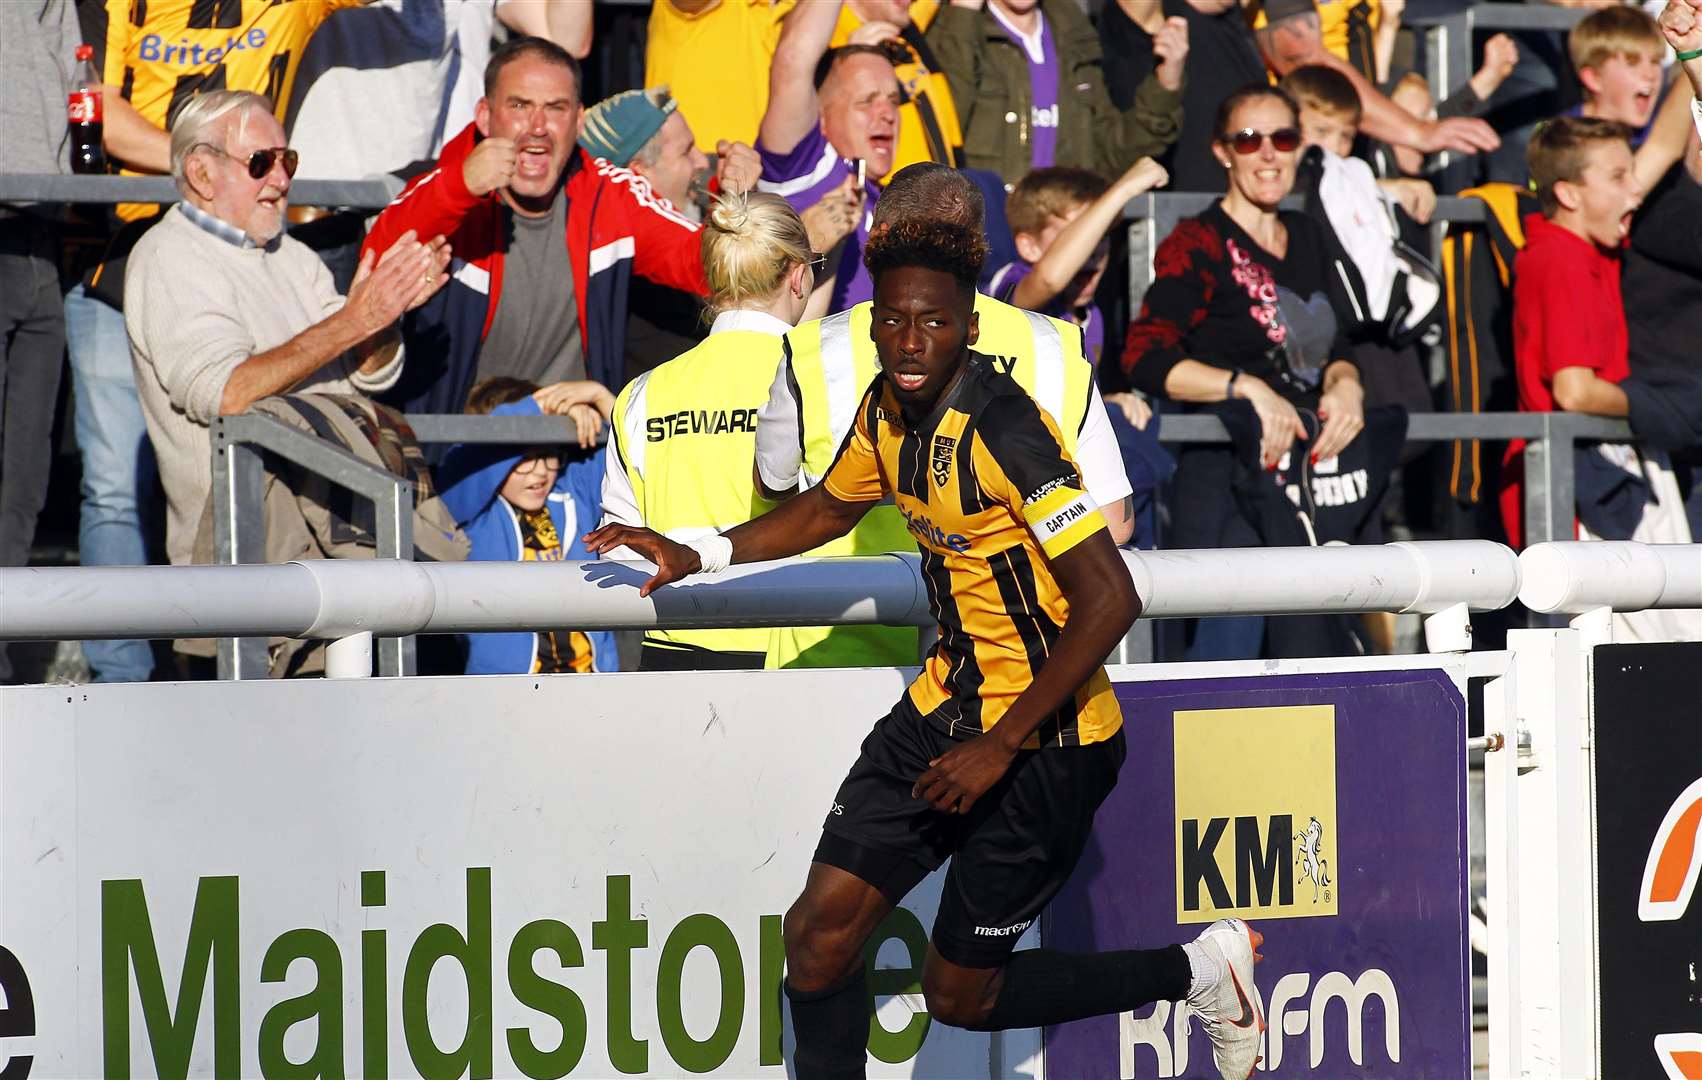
(750, 242)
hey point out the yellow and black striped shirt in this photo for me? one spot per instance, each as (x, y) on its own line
(161, 53)
(990, 495)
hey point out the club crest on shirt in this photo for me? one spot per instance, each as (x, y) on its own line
(944, 447)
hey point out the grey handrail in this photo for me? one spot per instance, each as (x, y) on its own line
(1549, 491)
(370, 194)
(1152, 216)
(239, 525)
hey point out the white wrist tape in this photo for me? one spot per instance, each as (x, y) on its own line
(714, 551)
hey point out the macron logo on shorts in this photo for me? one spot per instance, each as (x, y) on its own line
(1002, 931)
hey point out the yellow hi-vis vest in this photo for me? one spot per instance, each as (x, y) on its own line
(685, 436)
(831, 362)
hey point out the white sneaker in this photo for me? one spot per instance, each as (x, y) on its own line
(1229, 1005)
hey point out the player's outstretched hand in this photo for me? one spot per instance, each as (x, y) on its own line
(673, 561)
(961, 775)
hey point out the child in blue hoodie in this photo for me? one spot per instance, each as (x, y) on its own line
(531, 504)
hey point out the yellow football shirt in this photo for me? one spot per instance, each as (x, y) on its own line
(715, 63)
(991, 497)
(161, 53)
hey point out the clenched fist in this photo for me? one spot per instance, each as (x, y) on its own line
(490, 167)
(1682, 25)
(1147, 174)
(738, 167)
(1170, 45)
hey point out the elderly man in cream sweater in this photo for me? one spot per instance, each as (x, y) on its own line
(223, 309)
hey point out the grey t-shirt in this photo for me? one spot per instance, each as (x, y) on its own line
(536, 333)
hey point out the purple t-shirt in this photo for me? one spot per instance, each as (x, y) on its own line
(1089, 318)
(803, 177)
(1638, 135)
(1042, 53)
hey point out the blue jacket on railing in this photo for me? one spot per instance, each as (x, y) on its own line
(471, 477)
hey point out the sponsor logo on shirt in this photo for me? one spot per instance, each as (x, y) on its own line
(924, 528)
(156, 49)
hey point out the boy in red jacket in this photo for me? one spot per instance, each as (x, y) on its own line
(1570, 349)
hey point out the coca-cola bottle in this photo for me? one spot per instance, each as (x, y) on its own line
(83, 115)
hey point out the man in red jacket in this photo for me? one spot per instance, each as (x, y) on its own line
(545, 240)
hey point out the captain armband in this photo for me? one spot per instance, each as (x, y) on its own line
(1061, 515)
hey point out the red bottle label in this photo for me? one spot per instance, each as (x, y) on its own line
(83, 107)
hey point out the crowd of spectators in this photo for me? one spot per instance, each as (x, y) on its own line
(677, 267)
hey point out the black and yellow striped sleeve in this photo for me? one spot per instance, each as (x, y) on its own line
(1034, 475)
(106, 27)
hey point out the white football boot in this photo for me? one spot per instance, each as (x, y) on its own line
(1228, 1005)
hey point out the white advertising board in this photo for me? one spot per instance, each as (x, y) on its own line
(497, 876)
(575, 875)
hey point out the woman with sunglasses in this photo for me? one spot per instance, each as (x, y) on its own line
(1239, 310)
(684, 434)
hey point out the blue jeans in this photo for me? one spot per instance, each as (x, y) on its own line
(118, 464)
(1228, 637)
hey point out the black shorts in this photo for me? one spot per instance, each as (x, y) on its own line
(1010, 854)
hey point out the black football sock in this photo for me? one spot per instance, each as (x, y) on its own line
(1044, 986)
(832, 1029)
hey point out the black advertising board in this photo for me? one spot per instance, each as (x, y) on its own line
(1648, 755)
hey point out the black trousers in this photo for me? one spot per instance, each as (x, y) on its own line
(686, 658)
(32, 356)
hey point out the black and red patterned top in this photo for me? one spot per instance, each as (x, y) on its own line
(1220, 298)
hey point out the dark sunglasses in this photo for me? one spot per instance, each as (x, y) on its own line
(261, 161)
(1247, 141)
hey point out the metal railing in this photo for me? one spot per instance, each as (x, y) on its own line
(238, 483)
(1448, 64)
(1444, 580)
(1550, 494)
(239, 526)
(1152, 217)
(370, 194)
(348, 599)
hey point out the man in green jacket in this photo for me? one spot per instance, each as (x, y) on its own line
(1029, 82)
